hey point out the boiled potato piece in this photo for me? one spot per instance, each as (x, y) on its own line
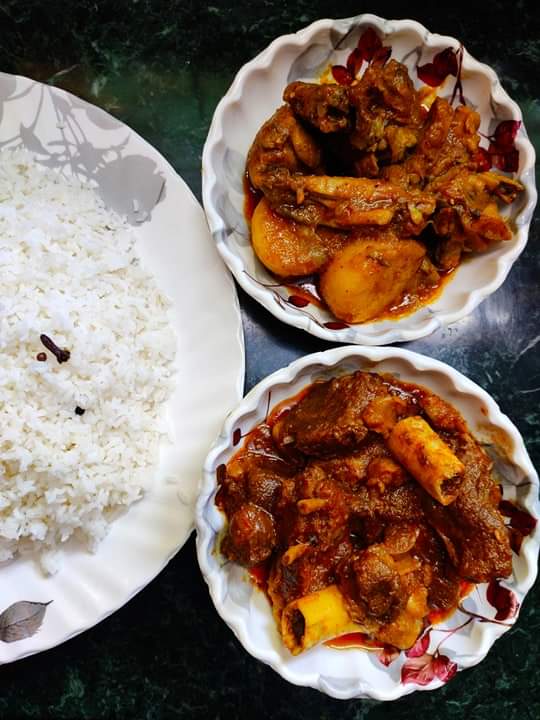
(365, 277)
(288, 248)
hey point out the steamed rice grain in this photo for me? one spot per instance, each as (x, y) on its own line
(70, 271)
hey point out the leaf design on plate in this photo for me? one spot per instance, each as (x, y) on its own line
(21, 620)
(444, 668)
(336, 325)
(503, 600)
(435, 73)
(298, 301)
(388, 654)
(446, 62)
(420, 647)
(425, 668)
(521, 523)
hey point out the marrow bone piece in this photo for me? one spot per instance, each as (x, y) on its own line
(428, 458)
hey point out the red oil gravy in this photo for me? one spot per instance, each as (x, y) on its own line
(251, 198)
(307, 292)
(408, 303)
(354, 640)
(259, 576)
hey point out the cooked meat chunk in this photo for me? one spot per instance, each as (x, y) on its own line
(326, 107)
(372, 585)
(438, 573)
(263, 487)
(394, 504)
(401, 537)
(351, 203)
(328, 420)
(322, 510)
(251, 536)
(472, 528)
(388, 111)
(281, 148)
(296, 574)
(450, 137)
(467, 208)
(256, 475)
(383, 413)
(384, 472)
(319, 495)
(442, 415)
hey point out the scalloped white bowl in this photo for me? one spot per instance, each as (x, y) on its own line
(257, 92)
(356, 673)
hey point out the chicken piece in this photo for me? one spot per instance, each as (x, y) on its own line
(472, 528)
(388, 112)
(291, 249)
(281, 148)
(468, 207)
(344, 202)
(325, 107)
(328, 420)
(425, 279)
(251, 536)
(368, 275)
(450, 138)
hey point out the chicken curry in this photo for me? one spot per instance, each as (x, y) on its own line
(375, 187)
(368, 503)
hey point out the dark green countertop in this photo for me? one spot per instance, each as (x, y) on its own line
(161, 67)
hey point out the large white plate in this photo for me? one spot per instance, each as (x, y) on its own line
(254, 96)
(133, 178)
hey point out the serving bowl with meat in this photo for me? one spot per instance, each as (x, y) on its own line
(367, 523)
(368, 181)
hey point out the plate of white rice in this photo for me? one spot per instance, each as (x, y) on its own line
(121, 353)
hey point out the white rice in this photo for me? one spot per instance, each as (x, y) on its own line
(69, 270)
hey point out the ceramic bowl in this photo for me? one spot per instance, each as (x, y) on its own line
(463, 639)
(257, 92)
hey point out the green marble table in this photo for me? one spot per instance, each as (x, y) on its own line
(161, 67)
